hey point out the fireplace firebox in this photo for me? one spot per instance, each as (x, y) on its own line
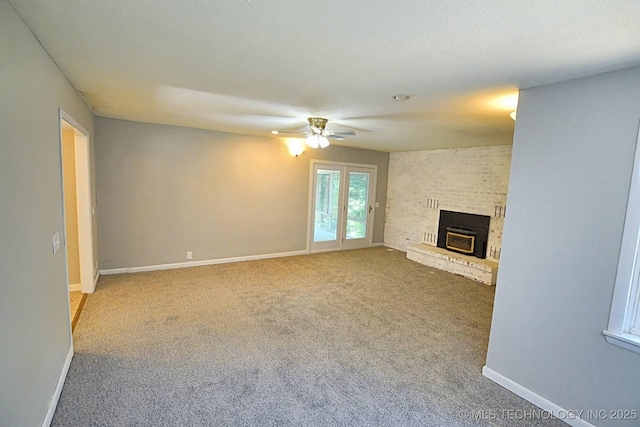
(461, 240)
(464, 233)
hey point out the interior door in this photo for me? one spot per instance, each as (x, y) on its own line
(341, 207)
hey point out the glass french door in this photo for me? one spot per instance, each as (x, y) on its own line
(342, 207)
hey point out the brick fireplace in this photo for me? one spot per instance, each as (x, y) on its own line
(421, 184)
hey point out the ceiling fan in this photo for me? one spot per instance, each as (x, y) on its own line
(318, 136)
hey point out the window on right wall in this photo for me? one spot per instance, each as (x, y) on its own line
(624, 321)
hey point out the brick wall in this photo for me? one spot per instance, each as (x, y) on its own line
(471, 180)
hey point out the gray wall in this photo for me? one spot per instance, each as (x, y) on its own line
(34, 316)
(570, 175)
(165, 190)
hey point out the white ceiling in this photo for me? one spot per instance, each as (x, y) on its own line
(251, 66)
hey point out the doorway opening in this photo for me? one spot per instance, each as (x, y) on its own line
(77, 212)
(341, 206)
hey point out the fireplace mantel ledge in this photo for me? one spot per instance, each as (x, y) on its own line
(481, 270)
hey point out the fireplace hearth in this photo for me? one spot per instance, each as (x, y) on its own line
(464, 233)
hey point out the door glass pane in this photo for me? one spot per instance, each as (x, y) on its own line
(326, 215)
(357, 205)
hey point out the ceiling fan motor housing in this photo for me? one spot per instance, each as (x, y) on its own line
(317, 122)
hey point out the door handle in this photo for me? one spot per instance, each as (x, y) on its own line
(370, 208)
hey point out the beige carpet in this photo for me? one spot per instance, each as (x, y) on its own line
(354, 338)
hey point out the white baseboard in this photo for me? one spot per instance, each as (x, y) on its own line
(53, 403)
(76, 287)
(114, 271)
(375, 245)
(568, 416)
(200, 263)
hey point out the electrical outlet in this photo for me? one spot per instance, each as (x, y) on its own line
(189, 254)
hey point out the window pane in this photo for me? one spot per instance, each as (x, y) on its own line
(326, 215)
(635, 319)
(357, 205)
(322, 193)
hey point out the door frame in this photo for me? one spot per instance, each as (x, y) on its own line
(345, 165)
(84, 204)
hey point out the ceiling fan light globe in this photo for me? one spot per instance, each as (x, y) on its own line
(323, 141)
(312, 141)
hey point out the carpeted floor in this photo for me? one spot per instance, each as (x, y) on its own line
(353, 338)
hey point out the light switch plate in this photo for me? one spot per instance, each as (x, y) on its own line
(55, 240)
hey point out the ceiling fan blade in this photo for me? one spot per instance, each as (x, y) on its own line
(291, 132)
(336, 137)
(343, 132)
